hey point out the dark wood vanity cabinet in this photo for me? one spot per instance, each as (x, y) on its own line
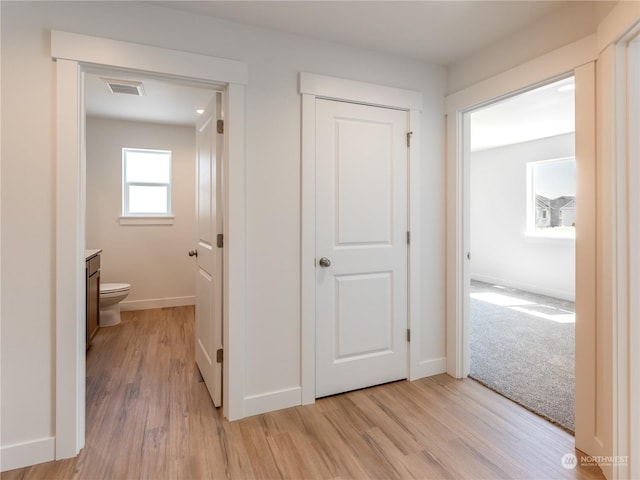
(93, 296)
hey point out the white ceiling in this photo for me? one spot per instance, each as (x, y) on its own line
(539, 113)
(162, 102)
(440, 32)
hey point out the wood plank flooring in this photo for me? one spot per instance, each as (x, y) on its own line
(149, 417)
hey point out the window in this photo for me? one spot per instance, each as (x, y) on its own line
(551, 198)
(146, 183)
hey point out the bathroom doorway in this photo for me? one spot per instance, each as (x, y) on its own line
(143, 149)
(73, 59)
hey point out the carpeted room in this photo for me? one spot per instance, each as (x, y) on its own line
(522, 215)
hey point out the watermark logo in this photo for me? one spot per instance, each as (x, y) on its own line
(603, 460)
(569, 461)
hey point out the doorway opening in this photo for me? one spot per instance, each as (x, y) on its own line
(142, 203)
(73, 59)
(522, 243)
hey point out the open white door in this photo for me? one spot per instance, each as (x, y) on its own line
(361, 246)
(208, 328)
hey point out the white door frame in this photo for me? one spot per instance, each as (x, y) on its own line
(633, 164)
(318, 86)
(611, 425)
(74, 52)
(577, 58)
(624, 147)
(457, 107)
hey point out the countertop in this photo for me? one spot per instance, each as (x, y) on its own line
(88, 254)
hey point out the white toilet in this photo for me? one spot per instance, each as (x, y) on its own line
(111, 294)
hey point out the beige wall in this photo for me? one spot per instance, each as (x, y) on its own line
(152, 258)
(568, 24)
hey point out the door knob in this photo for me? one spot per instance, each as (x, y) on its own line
(193, 253)
(325, 262)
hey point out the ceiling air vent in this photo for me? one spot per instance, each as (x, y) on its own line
(125, 87)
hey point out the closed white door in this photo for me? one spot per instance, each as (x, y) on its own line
(208, 327)
(361, 246)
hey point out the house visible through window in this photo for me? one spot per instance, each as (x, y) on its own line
(551, 201)
(146, 182)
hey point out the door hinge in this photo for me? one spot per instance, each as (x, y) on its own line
(220, 126)
(409, 139)
(408, 334)
(219, 355)
(408, 238)
(219, 240)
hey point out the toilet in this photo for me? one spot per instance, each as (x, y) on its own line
(111, 294)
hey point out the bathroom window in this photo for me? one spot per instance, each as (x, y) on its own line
(146, 183)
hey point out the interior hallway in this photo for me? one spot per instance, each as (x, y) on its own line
(149, 416)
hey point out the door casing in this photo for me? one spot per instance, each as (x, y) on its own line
(73, 53)
(314, 86)
(578, 59)
(631, 443)
(622, 67)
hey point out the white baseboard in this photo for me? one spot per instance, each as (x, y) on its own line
(292, 397)
(157, 303)
(28, 453)
(428, 368)
(269, 402)
(540, 290)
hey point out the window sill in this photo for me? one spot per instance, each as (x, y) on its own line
(135, 220)
(569, 241)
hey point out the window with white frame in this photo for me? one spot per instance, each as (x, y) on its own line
(551, 198)
(146, 182)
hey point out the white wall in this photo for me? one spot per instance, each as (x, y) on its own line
(501, 252)
(272, 184)
(568, 24)
(152, 258)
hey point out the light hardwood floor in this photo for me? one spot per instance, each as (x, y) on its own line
(149, 416)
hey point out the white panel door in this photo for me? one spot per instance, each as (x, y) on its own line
(361, 230)
(208, 327)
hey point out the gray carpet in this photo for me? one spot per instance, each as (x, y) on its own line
(529, 359)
